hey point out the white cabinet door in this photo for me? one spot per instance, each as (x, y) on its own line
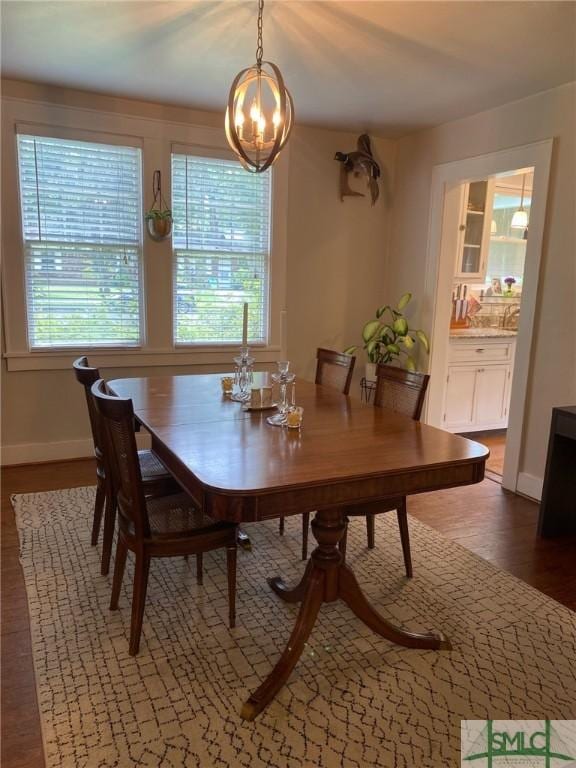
(474, 231)
(490, 394)
(459, 398)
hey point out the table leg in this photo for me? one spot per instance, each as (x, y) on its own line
(286, 663)
(350, 592)
(291, 594)
(327, 578)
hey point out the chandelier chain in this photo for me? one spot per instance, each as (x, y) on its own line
(260, 44)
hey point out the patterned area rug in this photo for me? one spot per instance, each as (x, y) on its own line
(354, 700)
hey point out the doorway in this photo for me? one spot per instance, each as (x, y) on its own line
(455, 267)
(486, 304)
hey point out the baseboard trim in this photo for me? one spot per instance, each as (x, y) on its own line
(530, 485)
(38, 453)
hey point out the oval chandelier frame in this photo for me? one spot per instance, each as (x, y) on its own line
(257, 153)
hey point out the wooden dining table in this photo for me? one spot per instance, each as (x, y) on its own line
(240, 468)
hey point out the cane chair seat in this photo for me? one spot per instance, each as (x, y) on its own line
(174, 516)
(151, 467)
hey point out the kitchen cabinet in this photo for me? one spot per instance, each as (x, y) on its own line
(460, 386)
(477, 392)
(490, 396)
(476, 200)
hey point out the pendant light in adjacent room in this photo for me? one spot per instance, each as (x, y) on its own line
(260, 111)
(520, 217)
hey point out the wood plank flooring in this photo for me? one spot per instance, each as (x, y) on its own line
(498, 526)
(495, 440)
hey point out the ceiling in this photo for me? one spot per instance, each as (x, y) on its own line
(386, 67)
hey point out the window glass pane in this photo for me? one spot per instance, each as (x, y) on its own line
(221, 240)
(81, 204)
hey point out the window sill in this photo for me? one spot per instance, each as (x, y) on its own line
(135, 358)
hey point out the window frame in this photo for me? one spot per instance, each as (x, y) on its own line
(44, 132)
(226, 154)
(156, 138)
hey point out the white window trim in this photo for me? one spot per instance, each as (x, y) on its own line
(156, 138)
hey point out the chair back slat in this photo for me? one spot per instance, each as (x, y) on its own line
(334, 369)
(401, 391)
(87, 375)
(118, 418)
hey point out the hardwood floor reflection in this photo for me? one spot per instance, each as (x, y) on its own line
(498, 526)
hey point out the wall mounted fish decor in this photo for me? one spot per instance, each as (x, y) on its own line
(360, 162)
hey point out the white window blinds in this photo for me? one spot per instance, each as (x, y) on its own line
(221, 241)
(81, 215)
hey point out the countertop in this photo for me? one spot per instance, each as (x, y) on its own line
(482, 333)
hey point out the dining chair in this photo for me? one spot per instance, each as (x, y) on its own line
(154, 526)
(333, 369)
(155, 477)
(403, 392)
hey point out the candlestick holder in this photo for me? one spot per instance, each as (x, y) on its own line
(243, 375)
(283, 378)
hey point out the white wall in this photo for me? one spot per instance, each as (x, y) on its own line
(551, 114)
(335, 270)
(336, 250)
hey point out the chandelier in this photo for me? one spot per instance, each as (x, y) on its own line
(260, 111)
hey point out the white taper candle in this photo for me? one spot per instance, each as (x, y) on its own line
(245, 326)
(284, 334)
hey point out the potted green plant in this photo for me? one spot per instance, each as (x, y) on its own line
(389, 338)
(158, 217)
(159, 223)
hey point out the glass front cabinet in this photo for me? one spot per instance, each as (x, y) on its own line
(474, 231)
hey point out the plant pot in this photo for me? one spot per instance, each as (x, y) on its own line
(159, 229)
(370, 372)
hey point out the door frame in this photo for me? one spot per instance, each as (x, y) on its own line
(446, 180)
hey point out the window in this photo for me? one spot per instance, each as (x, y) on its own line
(81, 223)
(221, 241)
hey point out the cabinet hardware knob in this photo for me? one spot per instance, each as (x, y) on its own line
(481, 349)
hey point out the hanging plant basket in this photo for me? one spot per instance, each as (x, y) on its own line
(159, 216)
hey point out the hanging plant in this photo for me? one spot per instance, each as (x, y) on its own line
(159, 216)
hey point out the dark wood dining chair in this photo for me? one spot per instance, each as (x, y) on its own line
(153, 526)
(403, 392)
(333, 369)
(155, 477)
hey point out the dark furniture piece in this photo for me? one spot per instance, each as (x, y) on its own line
(347, 453)
(155, 477)
(333, 369)
(164, 526)
(402, 392)
(367, 389)
(558, 507)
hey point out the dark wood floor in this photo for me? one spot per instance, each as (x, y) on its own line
(498, 526)
(495, 440)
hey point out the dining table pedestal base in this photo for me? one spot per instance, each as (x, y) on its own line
(326, 579)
